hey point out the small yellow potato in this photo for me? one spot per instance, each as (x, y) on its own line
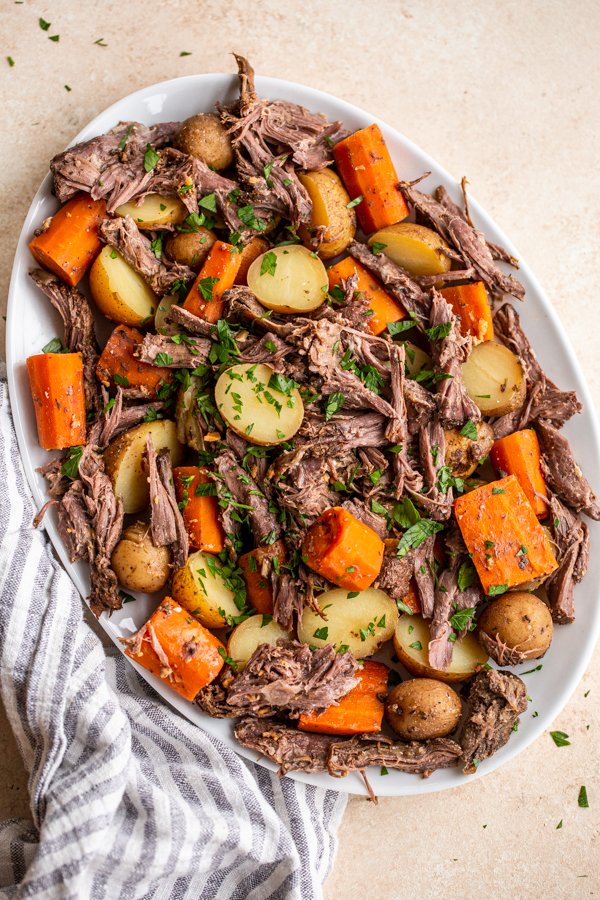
(137, 563)
(423, 708)
(411, 642)
(201, 588)
(155, 211)
(330, 210)
(190, 248)
(416, 248)
(250, 634)
(289, 279)
(119, 292)
(416, 359)
(123, 460)
(249, 399)
(204, 137)
(515, 627)
(360, 623)
(493, 378)
(463, 455)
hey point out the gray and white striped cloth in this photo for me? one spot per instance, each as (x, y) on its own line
(128, 799)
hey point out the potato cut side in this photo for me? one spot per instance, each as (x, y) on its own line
(161, 325)
(416, 359)
(119, 292)
(416, 248)
(203, 588)
(123, 460)
(493, 378)
(357, 621)
(289, 279)
(411, 642)
(259, 405)
(250, 634)
(154, 211)
(330, 210)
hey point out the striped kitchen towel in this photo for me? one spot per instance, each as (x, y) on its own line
(128, 799)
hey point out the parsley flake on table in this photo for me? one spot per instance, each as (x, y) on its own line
(582, 799)
(560, 738)
(43, 24)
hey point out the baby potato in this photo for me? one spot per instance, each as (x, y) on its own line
(416, 248)
(201, 588)
(204, 137)
(464, 454)
(493, 378)
(330, 201)
(423, 708)
(253, 249)
(138, 564)
(361, 622)
(250, 634)
(190, 248)
(155, 211)
(289, 279)
(411, 643)
(119, 292)
(258, 404)
(514, 627)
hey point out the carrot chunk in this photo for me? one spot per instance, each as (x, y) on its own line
(384, 308)
(518, 454)
(199, 509)
(216, 276)
(471, 303)
(359, 712)
(119, 366)
(343, 550)
(70, 244)
(367, 170)
(502, 533)
(258, 587)
(56, 381)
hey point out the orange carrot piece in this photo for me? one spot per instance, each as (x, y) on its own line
(70, 244)
(343, 550)
(471, 303)
(190, 656)
(253, 249)
(359, 712)
(518, 454)
(200, 512)
(412, 599)
(367, 170)
(118, 365)
(503, 535)
(215, 277)
(56, 381)
(258, 587)
(384, 308)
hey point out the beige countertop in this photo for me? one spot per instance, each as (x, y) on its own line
(504, 92)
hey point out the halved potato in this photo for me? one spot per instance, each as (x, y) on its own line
(201, 588)
(155, 211)
(250, 634)
(358, 621)
(119, 292)
(123, 460)
(416, 248)
(251, 402)
(289, 279)
(411, 641)
(493, 378)
(330, 201)
(416, 359)
(137, 563)
(161, 326)
(190, 248)
(463, 454)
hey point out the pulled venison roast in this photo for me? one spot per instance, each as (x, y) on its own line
(495, 702)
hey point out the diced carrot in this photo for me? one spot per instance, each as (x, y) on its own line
(70, 244)
(56, 381)
(215, 277)
(253, 249)
(519, 454)
(502, 533)
(471, 303)
(200, 511)
(384, 308)
(366, 168)
(190, 656)
(118, 365)
(359, 712)
(343, 550)
(258, 587)
(412, 599)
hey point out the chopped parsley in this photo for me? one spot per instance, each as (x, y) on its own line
(55, 346)
(151, 157)
(121, 380)
(334, 403)
(163, 359)
(496, 490)
(376, 247)
(322, 633)
(126, 598)
(230, 662)
(205, 287)
(466, 575)
(469, 430)
(70, 466)
(417, 645)
(398, 327)
(416, 535)
(354, 202)
(269, 263)
(437, 332)
(156, 246)
(43, 24)
(249, 218)
(496, 589)
(462, 618)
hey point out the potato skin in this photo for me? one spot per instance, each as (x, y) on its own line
(190, 248)
(204, 137)
(520, 621)
(138, 564)
(423, 708)
(463, 454)
(330, 201)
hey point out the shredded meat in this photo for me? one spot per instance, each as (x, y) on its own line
(572, 542)
(136, 249)
(496, 700)
(416, 757)
(185, 355)
(167, 527)
(399, 283)
(292, 750)
(562, 472)
(448, 352)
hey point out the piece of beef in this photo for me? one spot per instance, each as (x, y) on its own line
(167, 527)
(293, 678)
(191, 420)
(119, 417)
(395, 576)
(448, 352)
(436, 502)
(269, 349)
(562, 472)
(500, 652)
(406, 475)
(420, 405)
(59, 483)
(212, 699)
(572, 542)
(191, 323)
(239, 489)
(398, 282)
(292, 750)
(361, 511)
(75, 523)
(444, 199)
(162, 350)
(424, 569)
(136, 249)
(345, 431)
(302, 482)
(496, 700)
(287, 599)
(440, 629)
(416, 757)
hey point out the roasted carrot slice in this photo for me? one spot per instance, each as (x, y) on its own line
(384, 308)
(359, 712)
(258, 587)
(471, 303)
(70, 244)
(366, 168)
(251, 251)
(518, 454)
(343, 550)
(502, 533)
(119, 366)
(199, 508)
(216, 276)
(56, 381)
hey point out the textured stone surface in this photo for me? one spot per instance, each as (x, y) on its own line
(505, 92)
